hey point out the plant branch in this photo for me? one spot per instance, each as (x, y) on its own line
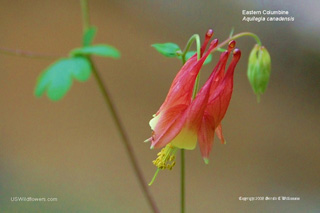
(124, 137)
(193, 38)
(116, 118)
(182, 182)
(85, 15)
(28, 54)
(239, 35)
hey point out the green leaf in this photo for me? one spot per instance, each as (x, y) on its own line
(57, 78)
(99, 50)
(191, 53)
(167, 49)
(60, 84)
(81, 69)
(89, 35)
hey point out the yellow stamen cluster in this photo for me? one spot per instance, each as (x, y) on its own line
(166, 158)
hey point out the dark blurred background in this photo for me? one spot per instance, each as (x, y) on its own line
(70, 149)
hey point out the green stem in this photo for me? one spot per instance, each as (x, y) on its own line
(193, 38)
(116, 119)
(124, 138)
(182, 183)
(239, 35)
(85, 14)
(28, 54)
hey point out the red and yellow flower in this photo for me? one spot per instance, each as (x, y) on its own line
(181, 120)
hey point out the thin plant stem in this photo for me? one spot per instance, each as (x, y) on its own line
(182, 182)
(85, 14)
(116, 118)
(193, 38)
(239, 35)
(28, 54)
(124, 138)
(195, 90)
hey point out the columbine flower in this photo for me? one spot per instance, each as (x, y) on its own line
(181, 121)
(178, 99)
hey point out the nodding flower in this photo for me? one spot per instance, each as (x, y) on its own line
(183, 120)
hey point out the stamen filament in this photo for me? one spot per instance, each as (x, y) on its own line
(154, 177)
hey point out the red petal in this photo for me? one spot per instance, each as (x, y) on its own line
(219, 101)
(216, 108)
(169, 125)
(219, 69)
(181, 88)
(206, 137)
(219, 134)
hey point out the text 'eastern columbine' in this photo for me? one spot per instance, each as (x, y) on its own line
(266, 15)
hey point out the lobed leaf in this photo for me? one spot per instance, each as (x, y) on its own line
(57, 78)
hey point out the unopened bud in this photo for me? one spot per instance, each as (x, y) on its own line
(259, 69)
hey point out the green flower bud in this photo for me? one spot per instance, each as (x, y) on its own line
(259, 69)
